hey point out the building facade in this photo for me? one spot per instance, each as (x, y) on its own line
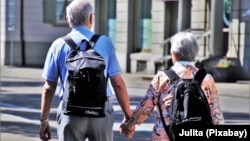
(139, 29)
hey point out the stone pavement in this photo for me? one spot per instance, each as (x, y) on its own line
(237, 89)
(133, 81)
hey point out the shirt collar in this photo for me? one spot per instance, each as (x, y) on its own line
(83, 30)
(184, 69)
(185, 63)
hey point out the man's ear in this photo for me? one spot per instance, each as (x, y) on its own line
(91, 19)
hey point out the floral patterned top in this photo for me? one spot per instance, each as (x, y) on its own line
(160, 87)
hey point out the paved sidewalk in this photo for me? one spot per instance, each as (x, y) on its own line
(138, 82)
(135, 80)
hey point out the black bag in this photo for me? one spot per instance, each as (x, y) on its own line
(85, 94)
(189, 107)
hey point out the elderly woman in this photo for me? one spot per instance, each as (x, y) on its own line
(184, 50)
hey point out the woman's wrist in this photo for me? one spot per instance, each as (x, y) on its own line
(130, 120)
(126, 119)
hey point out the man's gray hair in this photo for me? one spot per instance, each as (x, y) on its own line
(78, 12)
(185, 45)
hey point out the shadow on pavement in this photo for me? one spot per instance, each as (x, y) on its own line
(236, 116)
(28, 106)
(138, 136)
(21, 83)
(26, 129)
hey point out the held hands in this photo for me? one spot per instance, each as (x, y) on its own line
(127, 128)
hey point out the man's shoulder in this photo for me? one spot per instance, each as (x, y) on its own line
(56, 43)
(104, 40)
(59, 40)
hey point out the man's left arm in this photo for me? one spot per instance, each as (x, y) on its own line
(48, 93)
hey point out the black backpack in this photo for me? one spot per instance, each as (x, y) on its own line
(85, 93)
(189, 107)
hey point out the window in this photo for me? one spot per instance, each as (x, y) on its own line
(54, 12)
(226, 12)
(11, 17)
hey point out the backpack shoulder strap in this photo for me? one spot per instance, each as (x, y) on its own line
(93, 40)
(199, 76)
(70, 42)
(173, 77)
(171, 74)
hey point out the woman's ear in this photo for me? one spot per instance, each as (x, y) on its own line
(67, 18)
(174, 57)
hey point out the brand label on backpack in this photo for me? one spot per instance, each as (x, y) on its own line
(86, 95)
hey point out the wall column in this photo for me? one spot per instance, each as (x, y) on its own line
(121, 46)
(184, 15)
(217, 27)
(2, 32)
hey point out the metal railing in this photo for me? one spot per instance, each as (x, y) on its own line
(205, 34)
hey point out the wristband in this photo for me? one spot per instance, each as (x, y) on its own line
(43, 120)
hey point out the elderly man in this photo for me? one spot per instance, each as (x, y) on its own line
(80, 17)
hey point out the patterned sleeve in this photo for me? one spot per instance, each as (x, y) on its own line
(147, 104)
(209, 88)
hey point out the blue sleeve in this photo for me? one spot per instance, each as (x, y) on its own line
(114, 66)
(51, 68)
(105, 47)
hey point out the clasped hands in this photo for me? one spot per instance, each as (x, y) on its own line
(127, 128)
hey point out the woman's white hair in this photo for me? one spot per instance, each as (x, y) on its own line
(185, 45)
(78, 12)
